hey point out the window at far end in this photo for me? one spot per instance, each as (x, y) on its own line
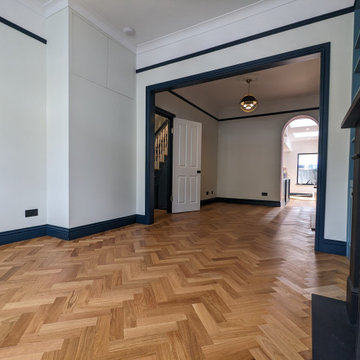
(307, 167)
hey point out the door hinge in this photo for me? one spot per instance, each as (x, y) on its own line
(172, 130)
(171, 198)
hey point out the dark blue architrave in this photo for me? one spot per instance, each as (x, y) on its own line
(323, 148)
(22, 30)
(255, 65)
(251, 38)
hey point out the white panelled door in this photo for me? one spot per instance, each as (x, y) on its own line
(186, 165)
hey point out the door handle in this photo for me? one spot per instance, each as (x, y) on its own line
(198, 172)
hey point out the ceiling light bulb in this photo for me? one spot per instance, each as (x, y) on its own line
(248, 103)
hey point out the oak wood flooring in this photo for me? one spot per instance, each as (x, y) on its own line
(229, 282)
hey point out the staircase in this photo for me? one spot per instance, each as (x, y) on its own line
(162, 168)
(161, 145)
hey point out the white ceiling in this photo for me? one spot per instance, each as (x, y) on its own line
(297, 79)
(305, 129)
(156, 18)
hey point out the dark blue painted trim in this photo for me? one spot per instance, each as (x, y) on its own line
(251, 38)
(271, 114)
(208, 201)
(193, 105)
(333, 247)
(238, 69)
(22, 30)
(58, 232)
(251, 66)
(91, 229)
(8, 237)
(141, 219)
(164, 113)
(323, 145)
(150, 157)
(241, 117)
(249, 202)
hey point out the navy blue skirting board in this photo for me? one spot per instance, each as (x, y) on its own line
(7, 237)
(334, 338)
(241, 201)
(249, 202)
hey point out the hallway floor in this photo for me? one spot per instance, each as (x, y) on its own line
(229, 282)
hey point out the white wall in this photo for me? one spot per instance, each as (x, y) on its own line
(249, 157)
(181, 109)
(338, 31)
(102, 126)
(22, 129)
(290, 162)
(57, 131)
(24, 13)
(264, 16)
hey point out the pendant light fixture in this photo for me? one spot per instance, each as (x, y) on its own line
(248, 103)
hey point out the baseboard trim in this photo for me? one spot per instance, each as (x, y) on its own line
(208, 201)
(249, 202)
(59, 232)
(141, 219)
(333, 247)
(91, 229)
(8, 237)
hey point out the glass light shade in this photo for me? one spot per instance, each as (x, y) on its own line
(248, 103)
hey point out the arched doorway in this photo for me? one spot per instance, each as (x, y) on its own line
(299, 169)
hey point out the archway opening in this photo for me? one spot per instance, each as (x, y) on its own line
(299, 170)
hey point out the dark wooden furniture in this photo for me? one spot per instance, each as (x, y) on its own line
(352, 120)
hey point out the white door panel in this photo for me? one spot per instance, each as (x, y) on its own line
(186, 165)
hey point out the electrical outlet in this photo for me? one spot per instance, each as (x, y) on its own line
(264, 194)
(32, 212)
(212, 193)
(207, 193)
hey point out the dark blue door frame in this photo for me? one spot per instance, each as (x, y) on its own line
(256, 65)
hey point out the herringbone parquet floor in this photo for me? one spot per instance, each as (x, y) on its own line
(229, 282)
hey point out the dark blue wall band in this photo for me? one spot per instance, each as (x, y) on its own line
(192, 104)
(272, 114)
(22, 30)
(251, 38)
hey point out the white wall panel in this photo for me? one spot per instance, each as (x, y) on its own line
(22, 129)
(89, 51)
(121, 73)
(57, 130)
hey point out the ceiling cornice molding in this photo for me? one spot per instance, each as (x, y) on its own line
(53, 6)
(33, 5)
(213, 24)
